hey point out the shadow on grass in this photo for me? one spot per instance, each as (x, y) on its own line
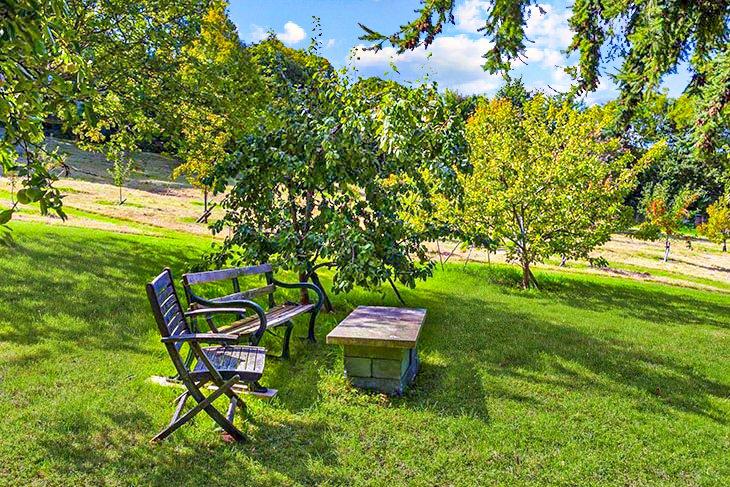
(655, 303)
(88, 450)
(715, 268)
(517, 345)
(86, 295)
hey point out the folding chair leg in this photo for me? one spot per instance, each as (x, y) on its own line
(231, 409)
(206, 405)
(182, 399)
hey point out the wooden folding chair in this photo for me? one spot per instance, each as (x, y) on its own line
(224, 365)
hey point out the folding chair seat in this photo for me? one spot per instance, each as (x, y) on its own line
(244, 362)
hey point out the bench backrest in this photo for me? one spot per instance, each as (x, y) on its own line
(193, 278)
(166, 306)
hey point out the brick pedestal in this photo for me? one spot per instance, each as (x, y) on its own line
(380, 347)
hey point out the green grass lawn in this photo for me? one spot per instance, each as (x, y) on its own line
(592, 380)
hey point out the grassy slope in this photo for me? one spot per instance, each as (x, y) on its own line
(593, 380)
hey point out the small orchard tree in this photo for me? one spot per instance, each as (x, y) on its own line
(545, 180)
(717, 227)
(120, 171)
(325, 178)
(664, 214)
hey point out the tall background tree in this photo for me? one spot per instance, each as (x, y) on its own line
(221, 97)
(106, 69)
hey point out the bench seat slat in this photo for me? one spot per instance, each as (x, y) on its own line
(245, 362)
(274, 317)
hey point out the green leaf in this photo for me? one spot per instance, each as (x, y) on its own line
(35, 194)
(5, 216)
(22, 197)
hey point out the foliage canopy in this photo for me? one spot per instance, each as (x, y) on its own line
(329, 175)
(546, 180)
(650, 39)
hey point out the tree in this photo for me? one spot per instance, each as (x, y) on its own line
(41, 74)
(717, 227)
(135, 52)
(104, 68)
(326, 178)
(122, 166)
(649, 38)
(546, 180)
(221, 95)
(664, 214)
(661, 117)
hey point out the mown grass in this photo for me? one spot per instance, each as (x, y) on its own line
(591, 380)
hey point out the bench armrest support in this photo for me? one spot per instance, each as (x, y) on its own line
(303, 285)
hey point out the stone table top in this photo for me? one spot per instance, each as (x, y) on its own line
(379, 326)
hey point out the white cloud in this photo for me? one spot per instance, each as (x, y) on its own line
(478, 86)
(548, 30)
(257, 33)
(330, 43)
(453, 61)
(471, 15)
(291, 35)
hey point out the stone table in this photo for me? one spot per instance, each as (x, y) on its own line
(380, 346)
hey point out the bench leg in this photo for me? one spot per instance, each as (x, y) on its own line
(287, 337)
(312, 319)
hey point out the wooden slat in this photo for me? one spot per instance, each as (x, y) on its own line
(168, 303)
(161, 282)
(171, 313)
(238, 328)
(251, 293)
(177, 328)
(274, 317)
(222, 274)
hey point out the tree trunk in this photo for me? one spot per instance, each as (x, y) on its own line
(120, 195)
(441, 257)
(397, 293)
(563, 259)
(525, 275)
(327, 303)
(468, 256)
(724, 245)
(303, 294)
(666, 249)
(205, 205)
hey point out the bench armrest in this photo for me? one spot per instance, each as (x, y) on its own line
(201, 337)
(303, 285)
(226, 308)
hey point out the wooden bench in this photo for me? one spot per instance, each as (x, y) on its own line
(380, 346)
(252, 326)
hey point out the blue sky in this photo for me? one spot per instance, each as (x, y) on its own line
(454, 60)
